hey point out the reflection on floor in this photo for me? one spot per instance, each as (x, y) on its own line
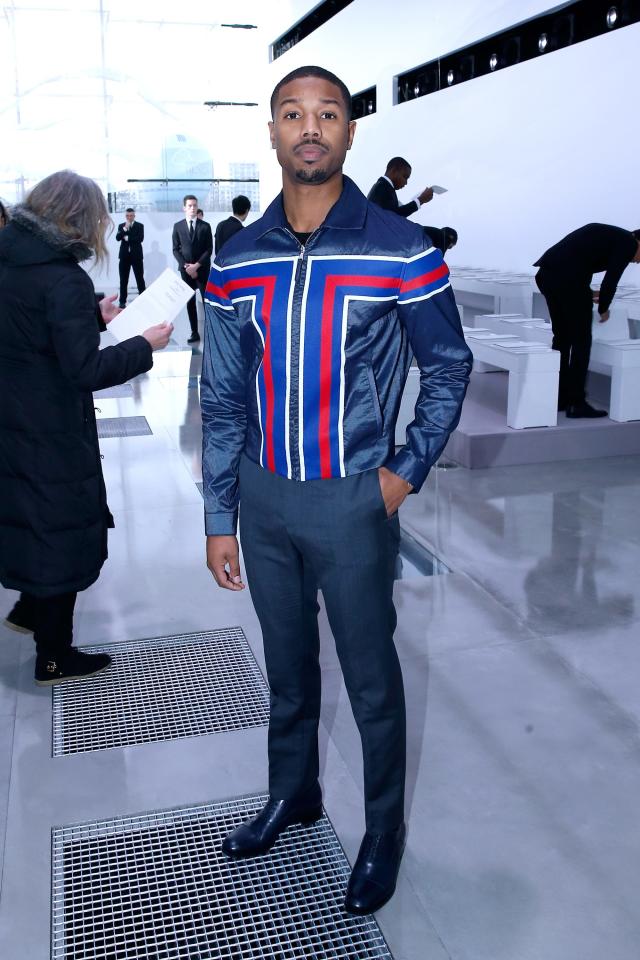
(521, 667)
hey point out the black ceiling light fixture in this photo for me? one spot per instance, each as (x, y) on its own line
(558, 28)
(316, 18)
(363, 104)
(612, 17)
(212, 104)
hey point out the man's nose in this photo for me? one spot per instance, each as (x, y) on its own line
(311, 128)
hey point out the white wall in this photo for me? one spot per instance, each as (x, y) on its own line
(528, 153)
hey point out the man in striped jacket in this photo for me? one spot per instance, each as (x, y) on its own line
(312, 315)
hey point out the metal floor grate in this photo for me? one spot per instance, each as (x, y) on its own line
(157, 886)
(123, 427)
(189, 685)
(114, 393)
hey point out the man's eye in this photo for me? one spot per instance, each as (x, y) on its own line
(328, 115)
(292, 115)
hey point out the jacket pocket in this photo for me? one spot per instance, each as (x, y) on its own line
(375, 399)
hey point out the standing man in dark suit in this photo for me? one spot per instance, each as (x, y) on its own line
(192, 248)
(130, 236)
(226, 228)
(396, 176)
(564, 280)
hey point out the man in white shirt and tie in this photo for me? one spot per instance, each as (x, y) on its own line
(192, 248)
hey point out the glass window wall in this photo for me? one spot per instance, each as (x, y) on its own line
(115, 90)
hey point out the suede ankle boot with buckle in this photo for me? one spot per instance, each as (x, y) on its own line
(72, 664)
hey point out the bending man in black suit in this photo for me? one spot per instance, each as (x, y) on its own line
(564, 279)
(130, 236)
(227, 228)
(396, 176)
(192, 248)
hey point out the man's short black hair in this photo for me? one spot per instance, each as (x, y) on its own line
(189, 196)
(398, 163)
(310, 71)
(129, 210)
(636, 234)
(240, 205)
(198, 211)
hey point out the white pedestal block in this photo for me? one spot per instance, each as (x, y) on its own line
(622, 360)
(533, 377)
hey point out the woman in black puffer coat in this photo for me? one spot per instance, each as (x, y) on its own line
(53, 508)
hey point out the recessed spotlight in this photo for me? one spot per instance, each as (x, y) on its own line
(612, 17)
(493, 61)
(369, 106)
(416, 90)
(450, 77)
(543, 42)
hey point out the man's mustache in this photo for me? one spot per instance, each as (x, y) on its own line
(310, 143)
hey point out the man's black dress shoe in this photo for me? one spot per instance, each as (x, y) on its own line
(577, 411)
(257, 836)
(194, 337)
(373, 878)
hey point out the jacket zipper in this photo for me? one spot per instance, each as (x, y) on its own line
(294, 400)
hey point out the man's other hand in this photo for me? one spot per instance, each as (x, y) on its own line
(394, 489)
(192, 269)
(604, 316)
(426, 195)
(222, 553)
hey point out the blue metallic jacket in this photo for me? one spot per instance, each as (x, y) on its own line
(307, 350)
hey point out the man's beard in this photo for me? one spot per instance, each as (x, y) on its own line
(312, 176)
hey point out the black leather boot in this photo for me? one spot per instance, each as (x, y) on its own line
(257, 836)
(373, 878)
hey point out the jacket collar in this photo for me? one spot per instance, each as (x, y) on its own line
(348, 212)
(46, 232)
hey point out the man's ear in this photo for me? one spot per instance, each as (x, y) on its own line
(272, 134)
(352, 133)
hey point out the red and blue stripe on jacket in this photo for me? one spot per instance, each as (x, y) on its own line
(331, 284)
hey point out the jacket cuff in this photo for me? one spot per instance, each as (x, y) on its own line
(412, 470)
(221, 524)
(147, 348)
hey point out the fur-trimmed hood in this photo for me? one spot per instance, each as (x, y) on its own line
(50, 243)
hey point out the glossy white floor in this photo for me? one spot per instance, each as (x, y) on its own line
(521, 668)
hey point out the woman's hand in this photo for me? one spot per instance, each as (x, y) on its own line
(108, 308)
(158, 336)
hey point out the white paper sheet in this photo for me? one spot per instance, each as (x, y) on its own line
(161, 302)
(437, 189)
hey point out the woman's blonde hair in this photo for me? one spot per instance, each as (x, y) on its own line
(76, 206)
